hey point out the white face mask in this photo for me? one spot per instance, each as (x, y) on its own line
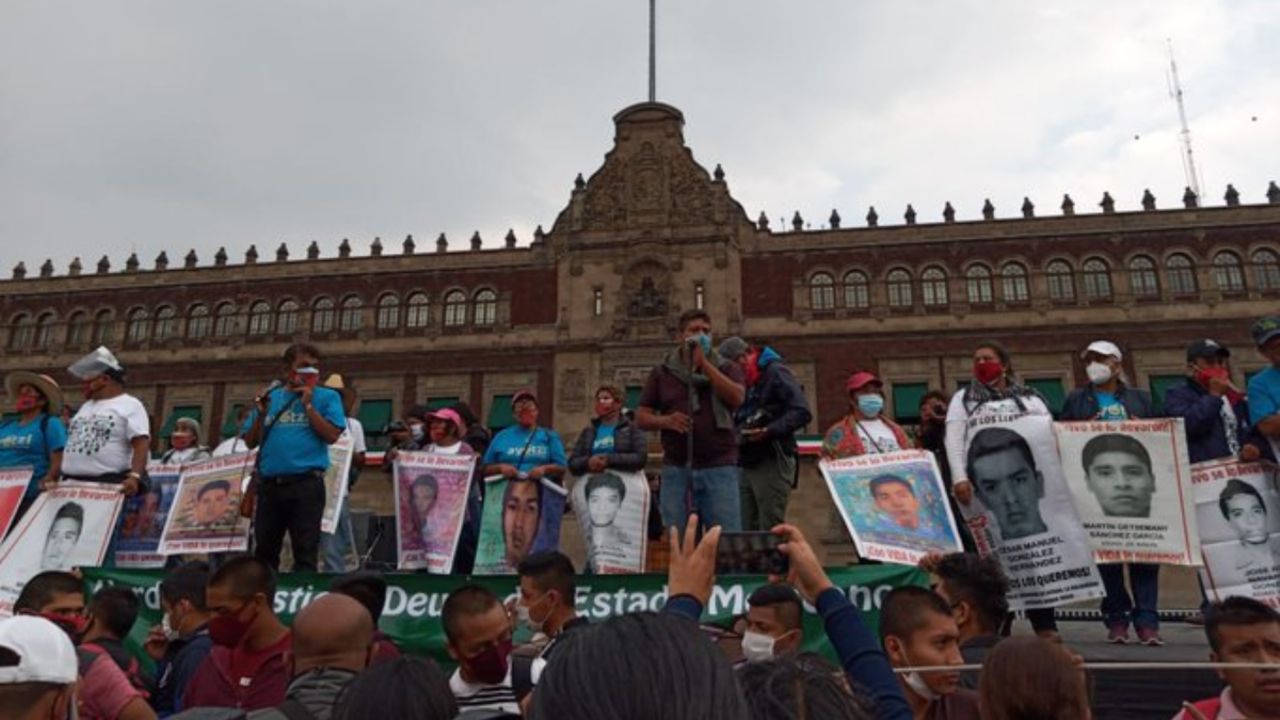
(525, 617)
(757, 647)
(1099, 373)
(170, 632)
(916, 682)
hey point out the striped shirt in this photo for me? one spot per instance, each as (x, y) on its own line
(471, 696)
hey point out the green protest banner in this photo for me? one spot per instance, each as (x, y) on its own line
(411, 616)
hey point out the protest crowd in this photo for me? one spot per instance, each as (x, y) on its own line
(945, 646)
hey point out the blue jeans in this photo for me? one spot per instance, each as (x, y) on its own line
(334, 545)
(1118, 608)
(714, 493)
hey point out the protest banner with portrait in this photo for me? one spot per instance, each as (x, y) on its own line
(520, 517)
(1022, 511)
(613, 510)
(13, 484)
(205, 517)
(138, 543)
(431, 493)
(67, 527)
(1238, 511)
(335, 481)
(893, 504)
(1131, 483)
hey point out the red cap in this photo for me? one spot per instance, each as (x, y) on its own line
(449, 415)
(861, 379)
(523, 395)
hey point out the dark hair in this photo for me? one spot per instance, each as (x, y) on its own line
(798, 688)
(933, 395)
(1114, 442)
(1000, 351)
(882, 480)
(465, 412)
(292, 352)
(980, 581)
(39, 590)
(612, 390)
(222, 485)
(1236, 486)
(22, 697)
(641, 666)
(426, 480)
(784, 599)
(368, 588)
(905, 610)
(400, 688)
(187, 582)
(606, 480)
(1027, 677)
(992, 440)
(1236, 611)
(689, 316)
(116, 608)
(70, 511)
(246, 576)
(466, 601)
(551, 570)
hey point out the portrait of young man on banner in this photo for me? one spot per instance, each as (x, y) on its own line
(1238, 509)
(205, 516)
(613, 511)
(144, 520)
(431, 493)
(520, 517)
(1131, 483)
(893, 505)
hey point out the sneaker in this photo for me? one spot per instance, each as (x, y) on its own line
(1149, 636)
(1118, 634)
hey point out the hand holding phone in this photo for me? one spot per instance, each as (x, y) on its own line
(751, 553)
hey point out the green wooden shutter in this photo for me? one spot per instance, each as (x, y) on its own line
(906, 401)
(633, 396)
(1160, 385)
(374, 416)
(195, 412)
(438, 403)
(1052, 390)
(229, 428)
(500, 412)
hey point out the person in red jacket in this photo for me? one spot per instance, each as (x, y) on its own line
(246, 668)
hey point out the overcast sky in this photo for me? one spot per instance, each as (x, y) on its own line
(197, 124)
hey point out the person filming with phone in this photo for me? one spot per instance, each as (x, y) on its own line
(293, 423)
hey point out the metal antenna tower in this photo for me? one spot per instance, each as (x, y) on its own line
(1188, 158)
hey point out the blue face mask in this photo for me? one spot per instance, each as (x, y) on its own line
(870, 405)
(705, 341)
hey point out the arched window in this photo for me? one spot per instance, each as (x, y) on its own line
(224, 320)
(977, 283)
(166, 323)
(822, 291)
(138, 328)
(21, 330)
(1228, 272)
(455, 309)
(417, 312)
(1014, 283)
(1180, 273)
(322, 316)
(104, 328)
(899, 282)
(857, 292)
(351, 314)
(486, 307)
(933, 287)
(1266, 270)
(260, 318)
(287, 317)
(1097, 279)
(44, 331)
(388, 312)
(1142, 277)
(1062, 283)
(198, 322)
(78, 328)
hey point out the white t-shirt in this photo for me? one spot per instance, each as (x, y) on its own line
(230, 446)
(484, 697)
(98, 441)
(356, 429)
(877, 437)
(453, 449)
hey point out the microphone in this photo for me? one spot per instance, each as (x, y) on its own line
(691, 341)
(274, 384)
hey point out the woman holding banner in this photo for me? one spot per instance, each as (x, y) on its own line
(34, 438)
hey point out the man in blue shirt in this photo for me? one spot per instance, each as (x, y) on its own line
(37, 436)
(293, 426)
(1264, 388)
(525, 450)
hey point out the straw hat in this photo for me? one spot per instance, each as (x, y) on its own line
(45, 384)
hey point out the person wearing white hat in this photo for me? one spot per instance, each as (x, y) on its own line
(38, 670)
(110, 436)
(36, 437)
(184, 444)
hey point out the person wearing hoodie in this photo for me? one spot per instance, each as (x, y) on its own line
(773, 412)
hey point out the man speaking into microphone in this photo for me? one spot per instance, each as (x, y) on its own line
(292, 425)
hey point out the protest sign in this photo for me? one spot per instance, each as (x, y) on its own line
(1131, 483)
(431, 492)
(520, 517)
(13, 484)
(893, 504)
(411, 615)
(137, 545)
(205, 517)
(67, 527)
(335, 481)
(613, 510)
(1022, 511)
(1238, 510)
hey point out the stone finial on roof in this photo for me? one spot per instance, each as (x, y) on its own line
(762, 222)
(475, 240)
(251, 255)
(873, 218)
(313, 251)
(375, 247)
(1148, 200)
(282, 253)
(46, 270)
(719, 173)
(1233, 196)
(131, 263)
(442, 243)
(988, 210)
(191, 260)
(1108, 204)
(162, 261)
(797, 222)
(20, 271)
(104, 265)
(220, 257)
(1190, 200)
(75, 268)
(344, 248)
(539, 236)
(408, 246)
(1068, 205)
(910, 215)
(948, 213)
(510, 239)
(579, 183)
(1028, 208)
(834, 219)
(1273, 193)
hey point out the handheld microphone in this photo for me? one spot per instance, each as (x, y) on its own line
(691, 341)
(274, 384)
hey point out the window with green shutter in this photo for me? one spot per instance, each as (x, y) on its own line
(1160, 385)
(437, 403)
(500, 413)
(1052, 390)
(195, 412)
(906, 401)
(633, 396)
(229, 428)
(374, 416)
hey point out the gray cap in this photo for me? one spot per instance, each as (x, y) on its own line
(733, 348)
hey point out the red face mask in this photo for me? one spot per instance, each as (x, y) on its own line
(490, 665)
(752, 371)
(181, 441)
(1204, 375)
(228, 630)
(26, 402)
(988, 371)
(73, 625)
(309, 379)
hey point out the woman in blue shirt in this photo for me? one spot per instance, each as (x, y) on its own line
(37, 436)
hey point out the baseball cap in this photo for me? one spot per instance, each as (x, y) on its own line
(44, 652)
(1105, 348)
(1206, 348)
(1265, 329)
(523, 395)
(861, 379)
(448, 414)
(733, 348)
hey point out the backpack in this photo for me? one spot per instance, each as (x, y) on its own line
(138, 678)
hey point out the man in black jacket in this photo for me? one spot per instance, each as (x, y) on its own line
(774, 411)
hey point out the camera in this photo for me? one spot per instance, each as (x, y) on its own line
(758, 419)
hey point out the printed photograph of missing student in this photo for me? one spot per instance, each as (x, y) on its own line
(205, 516)
(64, 533)
(1005, 478)
(613, 509)
(1117, 470)
(1239, 516)
(431, 492)
(145, 516)
(520, 517)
